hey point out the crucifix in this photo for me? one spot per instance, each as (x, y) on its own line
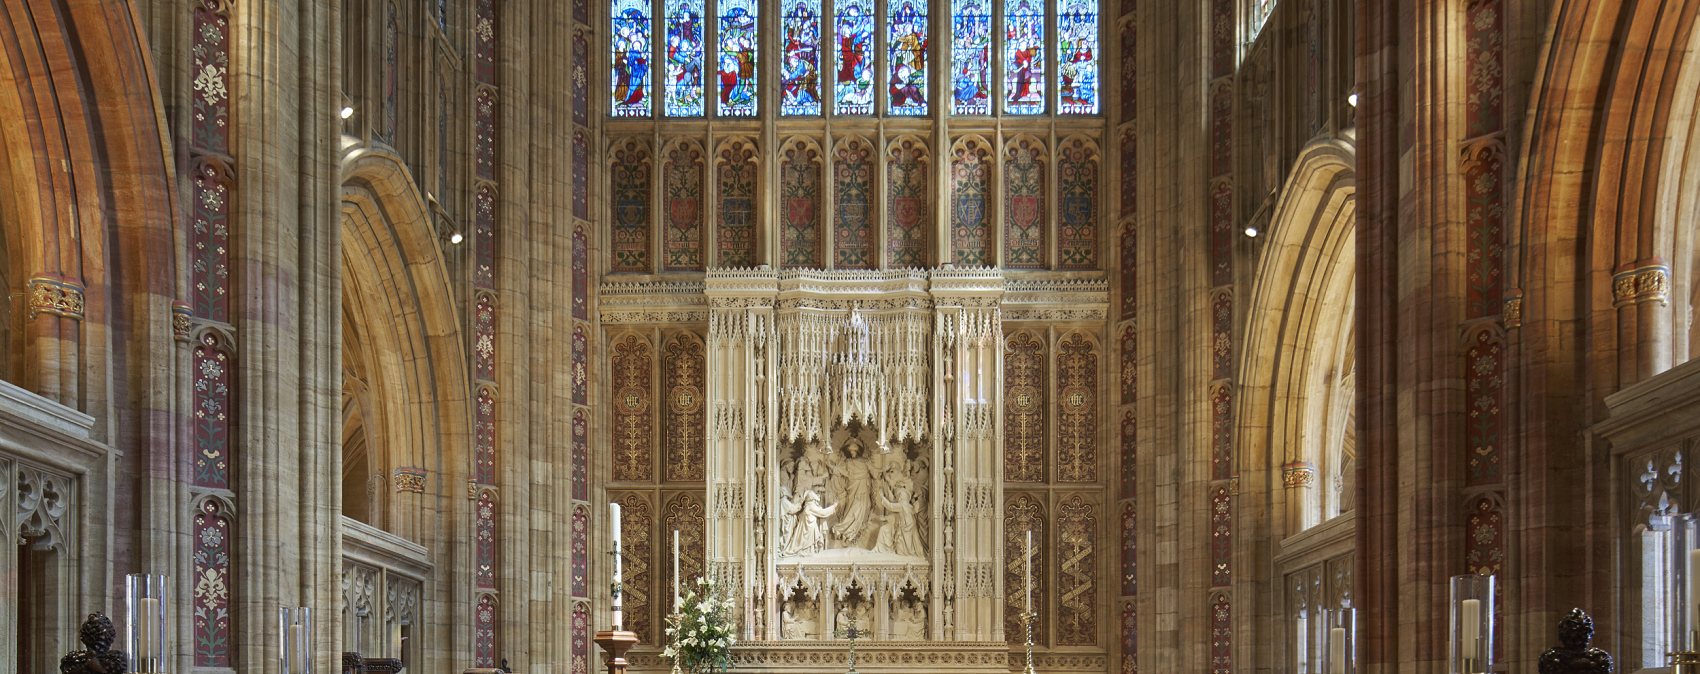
(851, 634)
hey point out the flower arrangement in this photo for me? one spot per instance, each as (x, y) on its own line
(700, 636)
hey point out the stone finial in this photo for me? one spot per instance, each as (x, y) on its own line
(97, 636)
(1572, 655)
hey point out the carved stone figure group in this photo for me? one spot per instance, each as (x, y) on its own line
(847, 499)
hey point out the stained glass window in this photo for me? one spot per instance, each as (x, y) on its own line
(1024, 57)
(907, 40)
(971, 57)
(738, 58)
(1077, 60)
(631, 58)
(853, 89)
(799, 75)
(683, 94)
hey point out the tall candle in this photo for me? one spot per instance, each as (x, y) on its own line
(297, 649)
(1028, 562)
(147, 619)
(1471, 628)
(614, 524)
(1337, 650)
(676, 600)
(1693, 592)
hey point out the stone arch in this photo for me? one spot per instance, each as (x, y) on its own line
(1291, 409)
(396, 294)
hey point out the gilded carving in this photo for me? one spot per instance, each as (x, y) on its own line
(55, 295)
(410, 480)
(1645, 283)
(1298, 474)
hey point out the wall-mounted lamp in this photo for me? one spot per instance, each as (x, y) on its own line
(1251, 232)
(347, 111)
(455, 237)
(1352, 99)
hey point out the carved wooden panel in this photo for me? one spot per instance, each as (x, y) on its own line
(1022, 514)
(1077, 409)
(633, 438)
(683, 384)
(1024, 408)
(1077, 572)
(637, 531)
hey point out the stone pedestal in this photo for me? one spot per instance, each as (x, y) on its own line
(614, 646)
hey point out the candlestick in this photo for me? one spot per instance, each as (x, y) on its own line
(614, 510)
(1028, 562)
(676, 599)
(1471, 625)
(295, 634)
(1694, 594)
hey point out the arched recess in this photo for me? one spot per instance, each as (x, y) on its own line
(737, 195)
(404, 344)
(1295, 395)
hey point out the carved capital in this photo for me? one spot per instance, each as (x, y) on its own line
(53, 294)
(182, 321)
(1298, 474)
(409, 479)
(1646, 281)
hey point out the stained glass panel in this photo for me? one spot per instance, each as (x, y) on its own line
(853, 91)
(971, 57)
(799, 76)
(683, 97)
(1024, 57)
(907, 41)
(631, 58)
(1077, 60)
(738, 58)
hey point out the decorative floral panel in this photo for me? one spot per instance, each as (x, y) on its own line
(1130, 72)
(1313, 69)
(970, 224)
(1221, 636)
(1484, 553)
(630, 60)
(735, 221)
(1484, 391)
(1221, 232)
(1484, 220)
(1023, 513)
(210, 240)
(1024, 210)
(484, 337)
(1224, 38)
(799, 206)
(1024, 409)
(907, 222)
(684, 28)
(629, 181)
(637, 535)
(581, 551)
(1077, 572)
(1222, 336)
(581, 275)
(1130, 272)
(581, 638)
(1221, 431)
(1130, 174)
(1077, 58)
(484, 437)
(581, 10)
(906, 57)
(853, 82)
(1130, 454)
(799, 74)
(1484, 60)
(484, 632)
(484, 541)
(1024, 57)
(484, 41)
(213, 405)
(1130, 639)
(737, 57)
(1077, 205)
(684, 515)
(581, 455)
(212, 586)
(632, 390)
(684, 368)
(971, 57)
(681, 198)
(443, 168)
(392, 76)
(484, 133)
(1077, 410)
(581, 358)
(209, 129)
(1221, 536)
(852, 221)
(484, 235)
(1130, 366)
(1221, 129)
(581, 175)
(581, 79)
(1130, 551)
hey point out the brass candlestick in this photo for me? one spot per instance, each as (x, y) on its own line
(678, 622)
(1027, 619)
(852, 633)
(1685, 662)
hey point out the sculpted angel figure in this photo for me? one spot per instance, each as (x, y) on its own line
(788, 510)
(899, 536)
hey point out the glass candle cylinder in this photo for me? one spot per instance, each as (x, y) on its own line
(1472, 624)
(1340, 641)
(1685, 577)
(295, 639)
(145, 634)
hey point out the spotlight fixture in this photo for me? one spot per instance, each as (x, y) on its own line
(455, 237)
(1352, 99)
(347, 111)
(1251, 232)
